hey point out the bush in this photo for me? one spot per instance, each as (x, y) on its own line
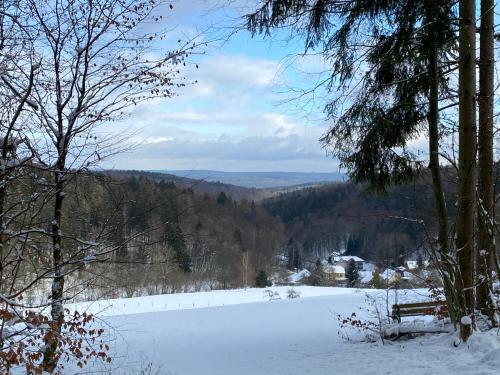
(376, 281)
(271, 295)
(292, 294)
(261, 280)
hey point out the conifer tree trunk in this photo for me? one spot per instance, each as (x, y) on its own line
(433, 123)
(466, 162)
(443, 251)
(485, 243)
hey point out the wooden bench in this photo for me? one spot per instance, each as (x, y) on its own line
(437, 308)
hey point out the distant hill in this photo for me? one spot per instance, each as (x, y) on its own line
(259, 180)
(200, 186)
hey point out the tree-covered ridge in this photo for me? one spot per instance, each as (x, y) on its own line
(348, 216)
(180, 240)
(199, 186)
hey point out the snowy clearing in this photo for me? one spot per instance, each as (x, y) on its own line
(242, 332)
(186, 301)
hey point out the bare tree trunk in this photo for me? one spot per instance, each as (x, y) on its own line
(485, 242)
(466, 162)
(57, 291)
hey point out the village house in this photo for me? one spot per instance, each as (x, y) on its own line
(334, 272)
(412, 265)
(343, 260)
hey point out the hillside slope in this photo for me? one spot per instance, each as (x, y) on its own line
(347, 217)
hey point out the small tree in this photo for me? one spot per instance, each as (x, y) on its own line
(261, 280)
(175, 239)
(222, 198)
(317, 277)
(352, 274)
(376, 281)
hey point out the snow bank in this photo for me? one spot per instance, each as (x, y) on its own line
(486, 347)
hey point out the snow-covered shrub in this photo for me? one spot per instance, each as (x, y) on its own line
(292, 294)
(271, 295)
(23, 334)
(370, 330)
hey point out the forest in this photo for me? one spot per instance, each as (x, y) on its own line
(379, 227)
(167, 239)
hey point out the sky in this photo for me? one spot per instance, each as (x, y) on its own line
(239, 116)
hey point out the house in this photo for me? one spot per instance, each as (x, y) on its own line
(299, 276)
(403, 273)
(396, 275)
(412, 265)
(343, 260)
(389, 275)
(334, 272)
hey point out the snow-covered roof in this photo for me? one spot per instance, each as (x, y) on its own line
(365, 276)
(367, 266)
(334, 269)
(347, 258)
(387, 274)
(298, 276)
(412, 264)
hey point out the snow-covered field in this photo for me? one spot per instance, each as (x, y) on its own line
(185, 301)
(241, 332)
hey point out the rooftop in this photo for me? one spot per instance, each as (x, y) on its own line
(346, 258)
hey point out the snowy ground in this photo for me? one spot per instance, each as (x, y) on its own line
(185, 301)
(243, 333)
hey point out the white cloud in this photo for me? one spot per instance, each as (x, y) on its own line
(228, 120)
(274, 142)
(230, 70)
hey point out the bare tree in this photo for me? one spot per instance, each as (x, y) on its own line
(67, 67)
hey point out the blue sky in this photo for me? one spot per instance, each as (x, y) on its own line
(238, 116)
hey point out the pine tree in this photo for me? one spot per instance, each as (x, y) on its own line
(317, 277)
(405, 55)
(397, 95)
(175, 239)
(222, 198)
(352, 274)
(261, 280)
(376, 280)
